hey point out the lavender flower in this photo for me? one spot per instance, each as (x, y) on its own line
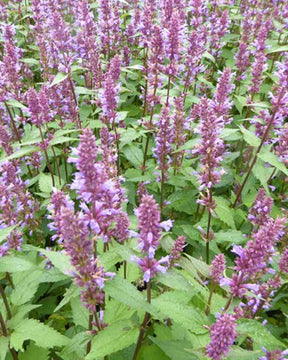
(89, 275)
(283, 263)
(163, 143)
(17, 208)
(211, 148)
(222, 105)
(223, 334)
(177, 250)
(253, 260)
(274, 355)
(259, 214)
(179, 136)
(149, 225)
(217, 268)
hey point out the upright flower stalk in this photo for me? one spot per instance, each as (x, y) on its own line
(211, 150)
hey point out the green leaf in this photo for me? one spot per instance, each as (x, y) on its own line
(12, 263)
(133, 154)
(26, 284)
(124, 292)
(5, 232)
(60, 260)
(224, 212)
(273, 160)
(58, 79)
(249, 136)
(76, 349)
(113, 338)
(229, 237)
(260, 335)
(4, 343)
(175, 280)
(240, 354)
(81, 90)
(43, 335)
(262, 174)
(282, 48)
(72, 292)
(171, 305)
(30, 61)
(240, 102)
(175, 349)
(34, 352)
(80, 313)
(17, 104)
(20, 153)
(45, 183)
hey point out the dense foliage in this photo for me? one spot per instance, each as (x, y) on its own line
(143, 179)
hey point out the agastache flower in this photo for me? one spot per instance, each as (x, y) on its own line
(163, 143)
(177, 250)
(222, 103)
(17, 208)
(149, 225)
(223, 334)
(89, 276)
(217, 268)
(283, 263)
(259, 214)
(211, 148)
(179, 136)
(274, 355)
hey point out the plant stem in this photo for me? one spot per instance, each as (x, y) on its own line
(46, 156)
(144, 323)
(208, 227)
(258, 150)
(207, 310)
(4, 297)
(4, 332)
(90, 329)
(75, 99)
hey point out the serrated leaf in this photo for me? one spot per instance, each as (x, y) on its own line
(114, 338)
(58, 79)
(34, 352)
(224, 212)
(72, 292)
(76, 349)
(175, 280)
(133, 154)
(80, 313)
(241, 354)
(282, 48)
(260, 335)
(273, 160)
(25, 287)
(20, 153)
(250, 138)
(45, 183)
(185, 315)
(262, 174)
(17, 104)
(81, 90)
(176, 350)
(124, 292)
(60, 260)
(43, 335)
(229, 237)
(12, 263)
(4, 343)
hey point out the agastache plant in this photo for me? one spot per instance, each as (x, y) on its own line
(211, 150)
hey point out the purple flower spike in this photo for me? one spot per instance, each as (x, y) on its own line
(217, 268)
(223, 334)
(149, 224)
